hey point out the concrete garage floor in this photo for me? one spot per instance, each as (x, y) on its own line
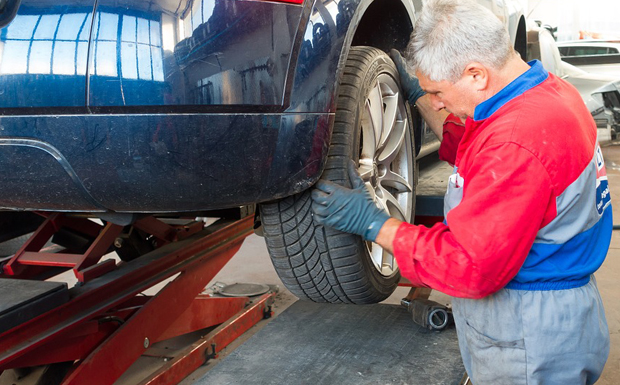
(607, 276)
(252, 264)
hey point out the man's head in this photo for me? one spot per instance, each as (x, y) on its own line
(458, 49)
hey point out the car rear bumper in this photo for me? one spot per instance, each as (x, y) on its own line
(158, 163)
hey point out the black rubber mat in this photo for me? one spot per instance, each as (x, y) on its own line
(21, 300)
(312, 343)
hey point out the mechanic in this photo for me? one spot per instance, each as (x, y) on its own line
(528, 212)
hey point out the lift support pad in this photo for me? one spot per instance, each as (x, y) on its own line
(22, 300)
(312, 343)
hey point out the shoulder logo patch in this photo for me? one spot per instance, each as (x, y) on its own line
(603, 197)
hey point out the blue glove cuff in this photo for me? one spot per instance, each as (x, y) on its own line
(373, 229)
(414, 94)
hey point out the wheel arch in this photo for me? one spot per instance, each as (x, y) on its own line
(384, 24)
(381, 24)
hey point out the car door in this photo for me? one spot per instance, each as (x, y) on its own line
(43, 53)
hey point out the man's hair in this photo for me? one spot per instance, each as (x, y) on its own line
(450, 34)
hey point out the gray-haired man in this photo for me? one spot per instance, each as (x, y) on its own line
(528, 212)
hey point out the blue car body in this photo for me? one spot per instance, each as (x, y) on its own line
(137, 106)
(171, 105)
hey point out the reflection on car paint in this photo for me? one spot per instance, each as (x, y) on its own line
(214, 52)
(324, 35)
(43, 54)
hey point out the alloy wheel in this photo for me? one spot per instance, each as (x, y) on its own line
(386, 160)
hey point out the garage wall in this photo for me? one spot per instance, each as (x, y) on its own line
(572, 16)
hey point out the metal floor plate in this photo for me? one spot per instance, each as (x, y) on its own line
(312, 343)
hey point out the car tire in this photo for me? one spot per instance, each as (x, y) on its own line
(325, 265)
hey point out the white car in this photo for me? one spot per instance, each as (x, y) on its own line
(596, 56)
(599, 91)
(588, 48)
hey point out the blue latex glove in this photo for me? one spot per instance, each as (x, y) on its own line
(408, 82)
(348, 210)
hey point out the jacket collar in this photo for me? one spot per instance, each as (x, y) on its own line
(529, 79)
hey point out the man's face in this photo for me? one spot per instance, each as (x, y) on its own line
(456, 98)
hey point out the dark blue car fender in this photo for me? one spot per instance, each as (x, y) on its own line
(332, 36)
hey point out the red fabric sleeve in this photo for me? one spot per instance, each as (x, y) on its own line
(489, 234)
(453, 130)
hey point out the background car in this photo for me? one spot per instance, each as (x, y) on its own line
(122, 108)
(588, 48)
(599, 92)
(596, 56)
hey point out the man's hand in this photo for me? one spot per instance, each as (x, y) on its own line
(348, 210)
(408, 81)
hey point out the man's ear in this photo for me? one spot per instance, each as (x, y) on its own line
(477, 75)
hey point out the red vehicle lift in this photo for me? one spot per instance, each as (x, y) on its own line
(104, 324)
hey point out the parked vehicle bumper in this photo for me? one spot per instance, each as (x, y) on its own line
(158, 163)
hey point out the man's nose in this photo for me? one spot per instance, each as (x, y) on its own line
(437, 103)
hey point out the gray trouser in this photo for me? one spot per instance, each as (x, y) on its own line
(533, 337)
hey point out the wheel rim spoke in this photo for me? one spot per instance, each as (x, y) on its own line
(368, 134)
(365, 169)
(372, 192)
(390, 104)
(384, 262)
(395, 181)
(389, 202)
(388, 260)
(375, 109)
(394, 143)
